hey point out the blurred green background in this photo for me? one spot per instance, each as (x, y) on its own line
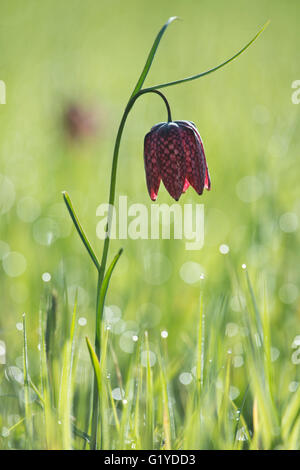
(69, 68)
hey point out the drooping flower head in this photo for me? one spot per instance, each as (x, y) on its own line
(174, 153)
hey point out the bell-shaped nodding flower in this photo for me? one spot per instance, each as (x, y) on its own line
(174, 153)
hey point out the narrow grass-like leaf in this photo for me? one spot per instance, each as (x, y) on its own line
(50, 421)
(80, 230)
(290, 414)
(113, 407)
(103, 291)
(65, 392)
(214, 69)
(165, 406)
(14, 426)
(98, 367)
(26, 382)
(200, 349)
(151, 56)
(149, 398)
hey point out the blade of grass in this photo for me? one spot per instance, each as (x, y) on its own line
(80, 230)
(151, 56)
(98, 368)
(101, 294)
(202, 74)
(200, 349)
(28, 421)
(149, 399)
(66, 392)
(50, 421)
(165, 406)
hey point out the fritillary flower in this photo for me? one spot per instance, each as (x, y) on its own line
(174, 153)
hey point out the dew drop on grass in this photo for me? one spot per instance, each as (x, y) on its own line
(296, 342)
(2, 352)
(46, 277)
(293, 386)
(185, 378)
(241, 434)
(13, 373)
(224, 249)
(238, 361)
(164, 334)
(275, 353)
(82, 321)
(296, 356)
(233, 392)
(118, 393)
(5, 432)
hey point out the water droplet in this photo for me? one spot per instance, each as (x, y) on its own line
(118, 394)
(82, 321)
(293, 386)
(46, 277)
(233, 392)
(224, 249)
(185, 378)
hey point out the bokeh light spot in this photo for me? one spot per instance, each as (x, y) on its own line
(14, 264)
(288, 222)
(190, 272)
(249, 189)
(28, 209)
(7, 194)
